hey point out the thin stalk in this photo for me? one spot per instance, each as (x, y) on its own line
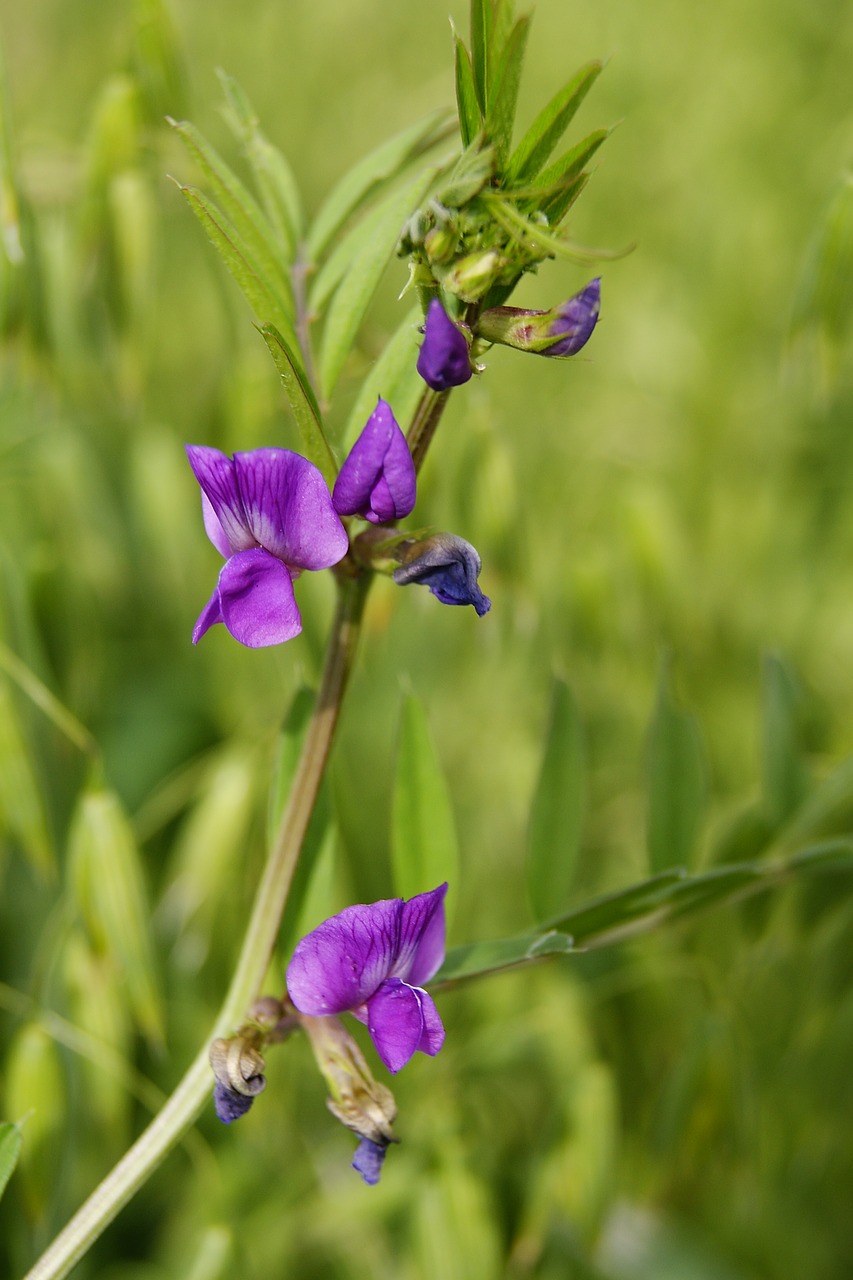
(189, 1097)
(427, 417)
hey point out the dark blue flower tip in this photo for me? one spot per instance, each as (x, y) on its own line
(368, 1160)
(230, 1105)
(449, 567)
(575, 320)
(443, 360)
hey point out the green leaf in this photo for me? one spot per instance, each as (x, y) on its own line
(503, 94)
(366, 178)
(394, 376)
(303, 403)
(481, 39)
(470, 119)
(347, 310)
(676, 780)
(424, 848)
(550, 125)
(828, 810)
(556, 815)
(244, 214)
(784, 773)
(10, 1150)
(237, 258)
(109, 888)
(563, 173)
(22, 811)
(272, 173)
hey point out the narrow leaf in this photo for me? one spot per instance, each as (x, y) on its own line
(109, 888)
(243, 212)
(556, 815)
(22, 811)
(365, 179)
(550, 125)
(503, 94)
(10, 1150)
(470, 119)
(784, 772)
(676, 781)
(271, 171)
(394, 376)
(358, 286)
(237, 258)
(424, 848)
(481, 39)
(565, 171)
(303, 403)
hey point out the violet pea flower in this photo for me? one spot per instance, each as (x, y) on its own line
(560, 332)
(270, 513)
(377, 480)
(370, 960)
(449, 566)
(443, 360)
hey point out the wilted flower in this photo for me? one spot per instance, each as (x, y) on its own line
(443, 361)
(562, 331)
(370, 960)
(230, 1105)
(270, 514)
(377, 480)
(238, 1067)
(369, 1159)
(449, 566)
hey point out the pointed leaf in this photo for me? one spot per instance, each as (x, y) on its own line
(10, 1150)
(303, 403)
(357, 288)
(785, 776)
(470, 119)
(109, 888)
(364, 180)
(394, 376)
(550, 125)
(243, 212)
(676, 781)
(237, 258)
(554, 180)
(481, 39)
(556, 815)
(272, 173)
(503, 94)
(424, 848)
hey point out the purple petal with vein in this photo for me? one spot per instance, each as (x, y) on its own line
(256, 599)
(289, 509)
(377, 480)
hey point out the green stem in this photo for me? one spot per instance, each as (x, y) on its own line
(427, 417)
(181, 1109)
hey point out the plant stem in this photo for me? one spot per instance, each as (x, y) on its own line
(189, 1097)
(427, 417)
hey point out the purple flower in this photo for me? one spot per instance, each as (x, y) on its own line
(230, 1105)
(560, 332)
(371, 960)
(270, 514)
(449, 566)
(368, 1160)
(377, 480)
(443, 361)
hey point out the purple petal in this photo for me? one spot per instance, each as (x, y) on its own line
(216, 475)
(256, 600)
(422, 932)
(395, 1020)
(432, 1036)
(368, 1160)
(576, 320)
(230, 1105)
(342, 962)
(443, 360)
(209, 616)
(213, 528)
(289, 508)
(377, 479)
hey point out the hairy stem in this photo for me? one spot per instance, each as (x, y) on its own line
(182, 1107)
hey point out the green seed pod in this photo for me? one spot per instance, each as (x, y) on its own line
(35, 1095)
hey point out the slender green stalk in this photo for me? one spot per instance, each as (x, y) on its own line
(427, 417)
(184, 1104)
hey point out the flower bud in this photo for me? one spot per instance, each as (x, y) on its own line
(560, 332)
(473, 275)
(377, 480)
(448, 565)
(443, 361)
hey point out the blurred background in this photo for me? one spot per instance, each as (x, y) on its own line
(674, 1107)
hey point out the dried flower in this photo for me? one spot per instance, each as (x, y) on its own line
(449, 566)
